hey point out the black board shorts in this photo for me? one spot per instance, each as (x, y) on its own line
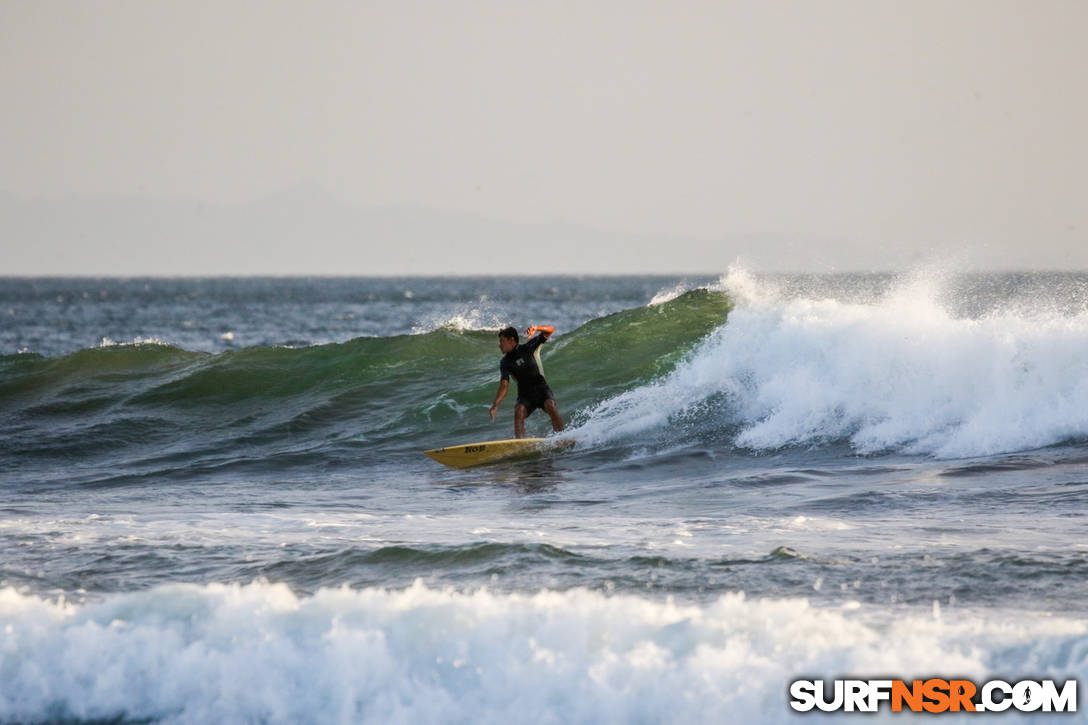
(534, 398)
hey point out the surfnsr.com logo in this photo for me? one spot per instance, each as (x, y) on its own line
(934, 695)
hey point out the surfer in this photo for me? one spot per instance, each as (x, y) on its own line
(523, 362)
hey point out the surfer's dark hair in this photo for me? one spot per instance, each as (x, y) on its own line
(509, 332)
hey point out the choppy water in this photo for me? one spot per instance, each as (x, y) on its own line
(213, 505)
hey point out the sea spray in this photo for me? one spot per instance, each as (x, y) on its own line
(901, 373)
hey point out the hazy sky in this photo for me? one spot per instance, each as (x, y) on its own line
(831, 134)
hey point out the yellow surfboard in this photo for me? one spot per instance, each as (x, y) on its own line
(477, 454)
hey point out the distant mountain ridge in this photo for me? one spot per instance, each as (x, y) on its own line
(300, 233)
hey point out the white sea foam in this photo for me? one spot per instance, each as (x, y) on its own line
(481, 316)
(669, 293)
(107, 342)
(901, 373)
(260, 653)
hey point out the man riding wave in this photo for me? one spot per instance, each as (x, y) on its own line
(523, 362)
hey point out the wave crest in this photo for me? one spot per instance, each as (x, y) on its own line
(901, 374)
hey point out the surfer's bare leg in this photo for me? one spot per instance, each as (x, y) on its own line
(519, 420)
(552, 409)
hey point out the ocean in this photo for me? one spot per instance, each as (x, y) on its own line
(214, 506)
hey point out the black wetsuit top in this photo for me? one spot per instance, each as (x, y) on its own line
(524, 364)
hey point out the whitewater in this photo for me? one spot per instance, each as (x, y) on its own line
(899, 374)
(213, 506)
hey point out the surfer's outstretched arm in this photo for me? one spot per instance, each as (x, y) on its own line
(504, 385)
(544, 330)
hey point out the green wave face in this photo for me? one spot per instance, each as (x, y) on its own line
(404, 390)
(628, 349)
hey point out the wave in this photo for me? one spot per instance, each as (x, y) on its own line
(259, 652)
(903, 366)
(399, 390)
(899, 373)
(179, 376)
